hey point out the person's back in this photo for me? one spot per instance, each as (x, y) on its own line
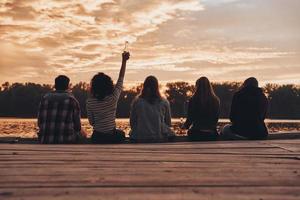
(150, 116)
(248, 111)
(203, 117)
(102, 106)
(59, 117)
(203, 112)
(102, 113)
(150, 122)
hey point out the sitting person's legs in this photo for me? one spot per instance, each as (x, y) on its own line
(119, 136)
(198, 135)
(228, 134)
(81, 137)
(226, 131)
(116, 136)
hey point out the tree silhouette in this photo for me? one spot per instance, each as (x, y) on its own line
(81, 92)
(178, 93)
(225, 92)
(284, 102)
(22, 100)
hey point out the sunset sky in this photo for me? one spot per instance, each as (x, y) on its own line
(225, 40)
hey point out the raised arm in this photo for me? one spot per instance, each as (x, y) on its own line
(125, 57)
(119, 85)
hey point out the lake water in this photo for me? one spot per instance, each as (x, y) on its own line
(27, 128)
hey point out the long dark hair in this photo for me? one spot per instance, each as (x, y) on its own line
(150, 91)
(101, 86)
(205, 96)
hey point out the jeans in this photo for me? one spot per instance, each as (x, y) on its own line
(114, 137)
(229, 134)
(200, 135)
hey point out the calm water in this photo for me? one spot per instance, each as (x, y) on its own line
(12, 127)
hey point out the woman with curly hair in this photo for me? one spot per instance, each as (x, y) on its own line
(102, 105)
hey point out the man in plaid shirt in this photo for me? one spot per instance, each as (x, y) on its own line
(59, 115)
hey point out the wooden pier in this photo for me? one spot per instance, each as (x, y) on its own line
(200, 170)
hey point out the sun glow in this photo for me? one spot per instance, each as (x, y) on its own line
(172, 39)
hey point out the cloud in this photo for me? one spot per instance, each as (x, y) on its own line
(82, 34)
(171, 38)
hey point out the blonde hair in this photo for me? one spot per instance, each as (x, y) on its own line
(150, 91)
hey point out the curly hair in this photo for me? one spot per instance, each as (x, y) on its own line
(101, 86)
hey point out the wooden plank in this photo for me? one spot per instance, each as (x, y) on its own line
(155, 177)
(145, 193)
(276, 150)
(208, 170)
(160, 145)
(147, 180)
(289, 145)
(229, 171)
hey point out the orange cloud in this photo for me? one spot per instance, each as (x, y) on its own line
(167, 37)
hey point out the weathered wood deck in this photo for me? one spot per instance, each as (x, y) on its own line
(202, 170)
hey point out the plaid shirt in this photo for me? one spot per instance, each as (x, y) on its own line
(59, 118)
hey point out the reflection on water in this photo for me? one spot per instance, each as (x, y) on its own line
(28, 128)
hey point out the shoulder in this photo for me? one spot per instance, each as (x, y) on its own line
(90, 100)
(47, 95)
(71, 96)
(119, 84)
(237, 94)
(137, 100)
(73, 99)
(263, 95)
(59, 96)
(191, 100)
(164, 102)
(217, 100)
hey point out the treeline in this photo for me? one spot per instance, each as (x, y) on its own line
(22, 100)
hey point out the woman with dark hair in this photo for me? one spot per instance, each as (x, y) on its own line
(102, 105)
(150, 117)
(248, 112)
(203, 112)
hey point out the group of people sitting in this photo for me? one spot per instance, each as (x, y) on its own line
(150, 116)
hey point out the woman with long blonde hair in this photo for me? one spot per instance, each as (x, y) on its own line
(150, 116)
(203, 112)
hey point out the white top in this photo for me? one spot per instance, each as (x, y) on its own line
(150, 122)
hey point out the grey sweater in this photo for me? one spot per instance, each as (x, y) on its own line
(150, 122)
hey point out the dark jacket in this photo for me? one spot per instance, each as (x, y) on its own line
(202, 117)
(248, 112)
